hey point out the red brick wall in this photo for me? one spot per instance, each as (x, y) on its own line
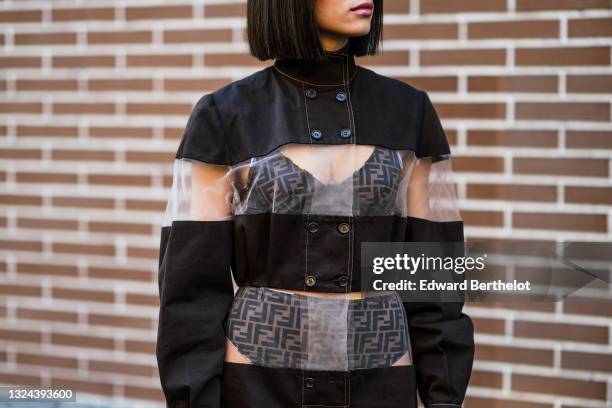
(94, 97)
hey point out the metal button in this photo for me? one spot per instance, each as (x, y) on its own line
(341, 96)
(309, 382)
(316, 134)
(310, 280)
(343, 280)
(313, 227)
(346, 133)
(311, 93)
(343, 228)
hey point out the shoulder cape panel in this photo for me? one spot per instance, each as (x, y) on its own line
(257, 114)
(204, 138)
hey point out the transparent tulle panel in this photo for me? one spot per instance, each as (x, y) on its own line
(346, 179)
(275, 328)
(429, 189)
(200, 192)
(342, 179)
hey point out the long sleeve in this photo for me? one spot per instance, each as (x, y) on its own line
(441, 335)
(195, 284)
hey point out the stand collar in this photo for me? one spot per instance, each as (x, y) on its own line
(335, 68)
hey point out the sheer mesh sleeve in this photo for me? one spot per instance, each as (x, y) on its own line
(441, 334)
(195, 285)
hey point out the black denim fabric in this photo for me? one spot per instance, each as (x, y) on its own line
(252, 117)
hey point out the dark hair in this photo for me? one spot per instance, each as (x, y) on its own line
(288, 29)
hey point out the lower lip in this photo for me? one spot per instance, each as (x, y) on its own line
(363, 11)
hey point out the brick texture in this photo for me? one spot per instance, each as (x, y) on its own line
(94, 98)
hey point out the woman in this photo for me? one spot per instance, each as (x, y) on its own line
(278, 178)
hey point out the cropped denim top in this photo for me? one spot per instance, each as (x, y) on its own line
(276, 181)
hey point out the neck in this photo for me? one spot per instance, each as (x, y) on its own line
(333, 42)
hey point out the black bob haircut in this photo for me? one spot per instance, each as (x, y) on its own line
(287, 29)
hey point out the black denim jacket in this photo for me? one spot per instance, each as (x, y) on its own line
(277, 179)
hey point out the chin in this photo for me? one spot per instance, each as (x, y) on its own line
(356, 30)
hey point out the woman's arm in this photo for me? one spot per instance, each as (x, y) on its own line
(441, 334)
(195, 284)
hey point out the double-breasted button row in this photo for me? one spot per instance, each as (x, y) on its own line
(344, 133)
(312, 93)
(340, 96)
(311, 280)
(313, 228)
(342, 228)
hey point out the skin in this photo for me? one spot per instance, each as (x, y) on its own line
(337, 22)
